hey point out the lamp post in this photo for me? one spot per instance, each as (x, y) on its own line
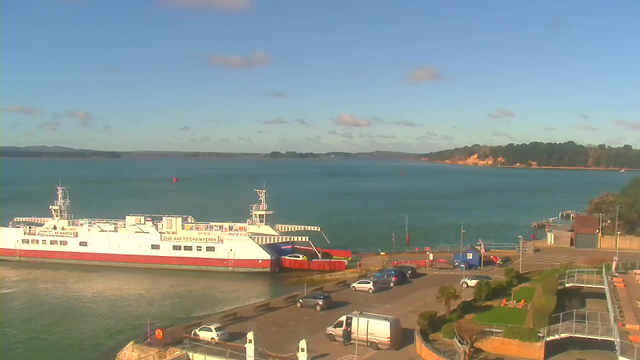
(357, 332)
(616, 231)
(520, 253)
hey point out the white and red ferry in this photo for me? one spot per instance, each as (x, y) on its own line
(174, 241)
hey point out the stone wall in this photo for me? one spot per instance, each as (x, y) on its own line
(515, 348)
(138, 351)
(625, 242)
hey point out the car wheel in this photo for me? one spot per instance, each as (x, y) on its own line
(331, 337)
(319, 307)
(299, 304)
(464, 284)
(370, 291)
(374, 346)
(353, 288)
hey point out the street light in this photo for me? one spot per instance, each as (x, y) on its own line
(616, 231)
(520, 253)
(357, 331)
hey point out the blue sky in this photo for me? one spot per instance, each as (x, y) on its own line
(242, 75)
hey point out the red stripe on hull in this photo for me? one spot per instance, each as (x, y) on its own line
(137, 259)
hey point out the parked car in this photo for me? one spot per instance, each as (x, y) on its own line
(401, 275)
(374, 330)
(386, 278)
(295, 257)
(409, 270)
(472, 281)
(319, 300)
(213, 332)
(369, 285)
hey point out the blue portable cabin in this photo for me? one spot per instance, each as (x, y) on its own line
(470, 257)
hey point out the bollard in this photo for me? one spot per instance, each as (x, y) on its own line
(250, 346)
(303, 350)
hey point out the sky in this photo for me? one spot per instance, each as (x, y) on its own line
(261, 76)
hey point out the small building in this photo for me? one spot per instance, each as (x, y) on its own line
(470, 257)
(586, 231)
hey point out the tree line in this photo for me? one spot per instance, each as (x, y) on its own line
(567, 154)
(627, 202)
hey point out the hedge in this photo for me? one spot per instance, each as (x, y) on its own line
(449, 330)
(521, 333)
(544, 301)
(427, 321)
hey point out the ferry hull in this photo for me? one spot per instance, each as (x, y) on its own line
(139, 261)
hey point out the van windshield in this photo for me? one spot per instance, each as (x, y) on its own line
(338, 325)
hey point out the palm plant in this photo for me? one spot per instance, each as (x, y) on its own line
(447, 294)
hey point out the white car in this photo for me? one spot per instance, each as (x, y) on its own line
(365, 285)
(473, 280)
(295, 257)
(213, 332)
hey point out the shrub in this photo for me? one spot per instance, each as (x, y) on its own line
(448, 330)
(469, 331)
(427, 321)
(483, 290)
(522, 334)
(498, 287)
(455, 317)
(464, 308)
(511, 276)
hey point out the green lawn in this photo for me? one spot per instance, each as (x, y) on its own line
(503, 315)
(525, 293)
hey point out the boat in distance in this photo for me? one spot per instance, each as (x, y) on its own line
(152, 241)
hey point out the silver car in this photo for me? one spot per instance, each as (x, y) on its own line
(365, 285)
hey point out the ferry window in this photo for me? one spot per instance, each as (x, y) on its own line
(34, 241)
(25, 241)
(188, 248)
(83, 243)
(63, 242)
(169, 224)
(199, 248)
(53, 242)
(44, 242)
(211, 248)
(155, 247)
(177, 247)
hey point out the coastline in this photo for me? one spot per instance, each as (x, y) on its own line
(532, 167)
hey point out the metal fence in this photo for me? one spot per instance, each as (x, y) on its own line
(583, 277)
(584, 324)
(211, 352)
(455, 248)
(625, 266)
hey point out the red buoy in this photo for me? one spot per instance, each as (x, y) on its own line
(402, 173)
(175, 179)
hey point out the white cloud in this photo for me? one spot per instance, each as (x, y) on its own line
(246, 139)
(629, 125)
(19, 109)
(447, 138)
(431, 134)
(424, 74)
(585, 127)
(276, 121)
(501, 114)
(255, 60)
(501, 134)
(583, 116)
(386, 136)
(406, 123)
(106, 129)
(275, 94)
(216, 5)
(347, 135)
(184, 128)
(82, 116)
(199, 140)
(314, 139)
(351, 121)
(301, 121)
(550, 128)
(50, 125)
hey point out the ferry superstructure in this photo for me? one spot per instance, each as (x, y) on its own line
(138, 240)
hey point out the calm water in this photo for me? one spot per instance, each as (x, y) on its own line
(68, 311)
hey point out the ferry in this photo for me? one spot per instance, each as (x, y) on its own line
(153, 241)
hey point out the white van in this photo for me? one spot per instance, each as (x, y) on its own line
(373, 330)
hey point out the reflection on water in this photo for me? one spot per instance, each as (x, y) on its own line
(70, 311)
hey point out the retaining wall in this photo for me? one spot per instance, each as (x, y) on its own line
(424, 350)
(625, 242)
(510, 347)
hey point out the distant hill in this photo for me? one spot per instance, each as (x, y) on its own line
(42, 151)
(538, 154)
